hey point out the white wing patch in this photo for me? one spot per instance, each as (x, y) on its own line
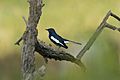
(57, 41)
(66, 42)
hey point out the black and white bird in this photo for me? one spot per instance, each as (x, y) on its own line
(58, 40)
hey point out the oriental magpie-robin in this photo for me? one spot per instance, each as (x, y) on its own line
(58, 40)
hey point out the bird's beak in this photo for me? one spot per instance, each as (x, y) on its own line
(46, 29)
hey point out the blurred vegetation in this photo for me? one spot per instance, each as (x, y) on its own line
(75, 20)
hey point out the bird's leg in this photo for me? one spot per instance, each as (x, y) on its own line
(58, 48)
(46, 60)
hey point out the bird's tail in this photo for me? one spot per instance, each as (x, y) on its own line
(75, 42)
(67, 41)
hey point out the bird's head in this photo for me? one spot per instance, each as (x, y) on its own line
(50, 30)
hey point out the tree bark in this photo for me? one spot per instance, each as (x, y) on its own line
(30, 39)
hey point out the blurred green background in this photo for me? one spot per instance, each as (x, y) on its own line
(73, 19)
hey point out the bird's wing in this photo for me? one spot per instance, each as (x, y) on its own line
(56, 40)
(59, 40)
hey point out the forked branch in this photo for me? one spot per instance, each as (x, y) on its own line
(97, 33)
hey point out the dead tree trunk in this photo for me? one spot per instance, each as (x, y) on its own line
(30, 39)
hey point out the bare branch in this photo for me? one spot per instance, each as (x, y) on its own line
(18, 41)
(41, 71)
(98, 31)
(48, 52)
(94, 36)
(115, 16)
(24, 20)
(119, 29)
(111, 26)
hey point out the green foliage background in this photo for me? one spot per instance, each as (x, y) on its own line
(73, 19)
